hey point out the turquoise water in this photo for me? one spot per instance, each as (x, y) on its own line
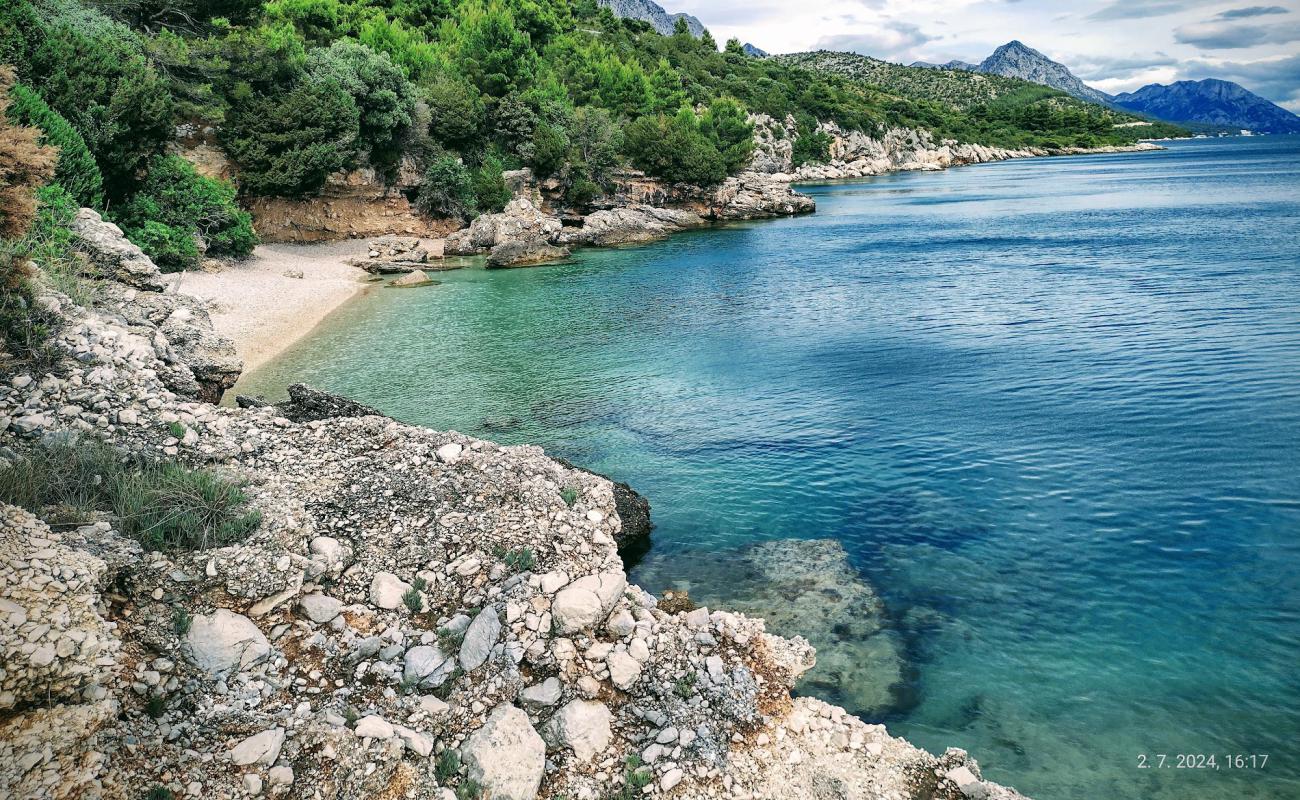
(1051, 408)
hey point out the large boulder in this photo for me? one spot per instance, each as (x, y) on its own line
(112, 255)
(506, 756)
(755, 195)
(522, 225)
(525, 253)
(586, 601)
(224, 641)
(628, 225)
(583, 726)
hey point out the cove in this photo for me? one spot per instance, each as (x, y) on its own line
(1050, 408)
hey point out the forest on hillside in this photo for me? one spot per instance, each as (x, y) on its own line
(296, 90)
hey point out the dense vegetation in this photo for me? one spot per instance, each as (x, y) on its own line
(459, 89)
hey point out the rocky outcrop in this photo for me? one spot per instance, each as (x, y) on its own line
(629, 225)
(111, 255)
(521, 235)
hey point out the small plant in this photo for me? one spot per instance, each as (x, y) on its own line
(685, 686)
(443, 691)
(160, 793)
(176, 429)
(419, 584)
(155, 706)
(181, 620)
(469, 790)
(520, 559)
(447, 765)
(350, 716)
(413, 601)
(569, 495)
(635, 778)
(449, 639)
(408, 684)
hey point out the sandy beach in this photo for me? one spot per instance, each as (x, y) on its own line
(263, 309)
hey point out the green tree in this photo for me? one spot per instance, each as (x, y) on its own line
(550, 149)
(456, 111)
(287, 143)
(497, 56)
(726, 125)
(447, 190)
(384, 97)
(490, 191)
(674, 149)
(77, 171)
(666, 93)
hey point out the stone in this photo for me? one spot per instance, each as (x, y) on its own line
(373, 727)
(449, 453)
(224, 641)
(671, 778)
(586, 601)
(621, 623)
(386, 590)
(113, 255)
(418, 743)
(320, 608)
(433, 706)
(280, 776)
(506, 756)
(423, 661)
(479, 638)
(252, 783)
(546, 693)
(412, 279)
(262, 748)
(583, 726)
(624, 670)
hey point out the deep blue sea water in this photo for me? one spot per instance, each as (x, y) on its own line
(1051, 408)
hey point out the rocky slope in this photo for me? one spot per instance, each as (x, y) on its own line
(1210, 102)
(854, 154)
(418, 613)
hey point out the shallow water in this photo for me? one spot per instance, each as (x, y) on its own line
(1050, 407)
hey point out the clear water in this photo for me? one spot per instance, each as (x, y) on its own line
(1051, 407)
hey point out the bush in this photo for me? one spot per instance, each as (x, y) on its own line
(811, 146)
(76, 170)
(175, 205)
(164, 506)
(25, 165)
(385, 99)
(447, 190)
(288, 142)
(456, 111)
(550, 149)
(674, 149)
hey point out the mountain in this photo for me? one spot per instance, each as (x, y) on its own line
(751, 50)
(653, 13)
(1016, 60)
(1210, 102)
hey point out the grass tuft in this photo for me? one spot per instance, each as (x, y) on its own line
(569, 495)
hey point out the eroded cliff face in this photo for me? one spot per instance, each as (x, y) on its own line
(408, 595)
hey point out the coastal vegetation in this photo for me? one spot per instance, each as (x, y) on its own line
(462, 90)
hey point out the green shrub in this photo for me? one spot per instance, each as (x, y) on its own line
(447, 190)
(674, 149)
(456, 111)
(26, 326)
(550, 149)
(287, 142)
(176, 204)
(490, 191)
(569, 495)
(447, 765)
(76, 170)
(811, 146)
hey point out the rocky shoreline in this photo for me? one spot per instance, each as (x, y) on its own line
(417, 614)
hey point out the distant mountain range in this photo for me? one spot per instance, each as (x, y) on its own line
(1213, 102)
(653, 13)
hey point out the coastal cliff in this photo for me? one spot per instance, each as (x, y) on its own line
(411, 613)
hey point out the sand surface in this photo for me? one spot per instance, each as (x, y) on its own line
(262, 309)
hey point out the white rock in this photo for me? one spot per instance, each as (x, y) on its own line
(252, 783)
(671, 778)
(506, 756)
(263, 748)
(621, 623)
(449, 453)
(624, 670)
(433, 706)
(373, 727)
(546, 693)
(225, 641)
(584, 602)
(422, 661)
(386, 590)
(479, 638)
(582, 725)
(319, 607)
(416, 742)
(281, 776)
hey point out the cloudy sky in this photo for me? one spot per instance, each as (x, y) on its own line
(1114, 45)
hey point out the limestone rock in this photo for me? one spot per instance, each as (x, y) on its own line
(386, 590)
(320, 608)
(586, 601)
(113, 255)
(261, 748)
(479, 639)
(506, 756)
(224, 641)
(583, 726)
(546, 693)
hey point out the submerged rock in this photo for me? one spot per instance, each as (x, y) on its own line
(805, 587)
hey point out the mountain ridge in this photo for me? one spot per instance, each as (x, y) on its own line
(653, 13)
(1211, 101)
